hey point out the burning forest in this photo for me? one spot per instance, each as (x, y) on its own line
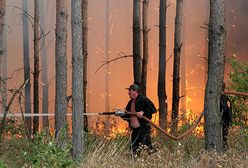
(118, 83)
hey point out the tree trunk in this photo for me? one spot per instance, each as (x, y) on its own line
(3, 55)
(36, 66)
(2, 15)
(26, 63)
(45, 122)
(176, 67)
(107, 39)
(216, 52)
(77, 80)
(136, 42)
(183, 69)
(85, 56)
(145, 46)
(4, 67)
(61, 68)
(162, 97)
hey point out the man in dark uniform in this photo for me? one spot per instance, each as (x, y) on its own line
(226, 111)
(141, 129)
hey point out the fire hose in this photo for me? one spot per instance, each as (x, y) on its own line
(164, 131)
(123, 112)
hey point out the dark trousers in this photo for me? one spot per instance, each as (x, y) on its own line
(225, 134)
(141, 137)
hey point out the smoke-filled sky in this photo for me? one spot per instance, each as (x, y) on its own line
(120, 75)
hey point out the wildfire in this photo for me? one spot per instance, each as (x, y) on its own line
(191, 118)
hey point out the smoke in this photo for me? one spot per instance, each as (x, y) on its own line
(237, 26)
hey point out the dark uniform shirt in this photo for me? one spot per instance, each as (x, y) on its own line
(226, 110)
(144, 104)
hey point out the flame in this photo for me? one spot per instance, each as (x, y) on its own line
(191, 118)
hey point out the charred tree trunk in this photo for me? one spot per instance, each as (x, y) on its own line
(26, 63)
(45, 122)
(176, 67)
(36, 66)
(216, 52)
(61, 68)
(183, 69)
(3, 54)
(136, 42)
(2, 15)
(85, 55)
(77, 80)
(145, 46)
(107, 39)
(4, 67)
(162, 97)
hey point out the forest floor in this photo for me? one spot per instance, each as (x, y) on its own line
(114, 153)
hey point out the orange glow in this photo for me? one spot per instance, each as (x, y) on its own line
(191, 118)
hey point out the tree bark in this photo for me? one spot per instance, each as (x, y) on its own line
(2, 15)
(61, 68)
(3, 54)
(77, 80)
(145, 46)
(216, 52)
(85, 56)
(162, 97)
(136, 42)
(26, 63)
(176, 67)
(36, 66)
(107, 40)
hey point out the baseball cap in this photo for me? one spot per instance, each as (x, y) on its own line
(133, 87)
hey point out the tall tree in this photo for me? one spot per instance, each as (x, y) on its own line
(145, 45)
(162, 96)
(2, 15)
(61, 67)
(77, 80)
(26, 63)
(216, 52)
(45, 122)
(176, 65)
(3, 56)
(183, 68)
(85, 55)
(36, 66)
(107, 40)
(136, 42)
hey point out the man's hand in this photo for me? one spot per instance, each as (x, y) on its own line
(119, 112)
(140, 114)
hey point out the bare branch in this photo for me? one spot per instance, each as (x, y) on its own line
(28, 134)
(6, 108)
(119, 56)
(169, 57)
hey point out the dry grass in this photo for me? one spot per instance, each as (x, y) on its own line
(188, 153)
(114, 153)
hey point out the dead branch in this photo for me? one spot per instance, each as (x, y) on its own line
(6, 108)
(169, 57)
(119, 56)
(28, 134)
(31, 18)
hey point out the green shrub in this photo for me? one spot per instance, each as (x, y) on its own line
(2, 165)
(44, 152)
(238, 81)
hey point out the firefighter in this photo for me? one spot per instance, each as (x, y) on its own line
(141, 129)
(226, 112)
